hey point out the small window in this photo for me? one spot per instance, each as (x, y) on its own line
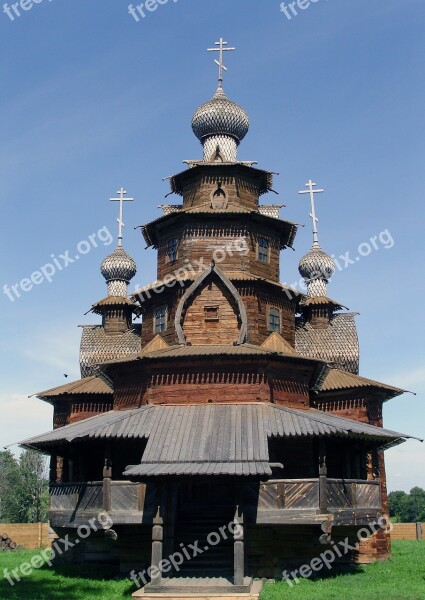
(211, 313)
(161, 319)
(172, 247)
(263, 250)
(274, 319)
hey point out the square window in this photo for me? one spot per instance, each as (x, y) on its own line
(172, 247)
(161, 315)
(263, 250)
(211, 313)
(274, 320)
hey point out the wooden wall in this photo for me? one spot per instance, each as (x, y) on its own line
(29, 535)
(198, 330)
(407, 531)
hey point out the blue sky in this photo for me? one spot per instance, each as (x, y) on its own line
(92, 100)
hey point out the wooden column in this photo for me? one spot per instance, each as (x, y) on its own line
(375, 464)
(157, 540)
(323, 478)
(107, 485)
(239, 545)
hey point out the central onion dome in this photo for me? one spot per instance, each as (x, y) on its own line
(118, 269)
(316, 267)
(220, 125)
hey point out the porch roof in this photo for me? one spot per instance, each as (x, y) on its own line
(211, 439)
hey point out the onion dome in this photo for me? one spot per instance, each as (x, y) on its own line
(118, 269)
(316, 267)
(220, 125)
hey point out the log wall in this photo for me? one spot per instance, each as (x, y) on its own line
(29, 535)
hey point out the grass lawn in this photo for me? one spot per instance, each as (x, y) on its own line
(68, 582)
(401, 578)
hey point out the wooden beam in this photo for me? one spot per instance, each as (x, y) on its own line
(323, 478)
(239, 547)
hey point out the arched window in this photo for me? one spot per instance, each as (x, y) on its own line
(160, 322)
(263, 250)
(172, 250)
(274, 319)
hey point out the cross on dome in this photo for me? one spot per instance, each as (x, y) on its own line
(121, 199)
(311, 190)
(221, 48)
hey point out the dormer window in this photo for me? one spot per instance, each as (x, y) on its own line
(274, 319)
(161, 317)
(211, 313)
(263, 250)
(172, 248)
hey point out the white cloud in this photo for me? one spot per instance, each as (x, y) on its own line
(405, 466)
(412, 380)
(57, 351)
(22, 417)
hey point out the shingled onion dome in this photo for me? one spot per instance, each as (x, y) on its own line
(220, 125)
(118, 269)
(317, 267)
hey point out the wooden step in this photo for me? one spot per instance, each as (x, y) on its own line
(191, 594)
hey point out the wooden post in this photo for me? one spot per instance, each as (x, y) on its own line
(323, 478)
(107, 482)
(418, 531)
(239, 547)
(157, 541)
(375, 464)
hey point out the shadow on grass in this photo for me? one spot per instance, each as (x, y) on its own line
(68, 582)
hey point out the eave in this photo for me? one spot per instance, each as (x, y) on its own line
(177, 181)
(286, 229)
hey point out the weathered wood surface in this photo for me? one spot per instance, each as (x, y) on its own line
(72, 504)
(293, 500)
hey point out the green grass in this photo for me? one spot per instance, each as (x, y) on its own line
(67, 582)
(401, 578)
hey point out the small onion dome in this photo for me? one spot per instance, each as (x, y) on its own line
(118, 266)
(220, 116)
(316, 264)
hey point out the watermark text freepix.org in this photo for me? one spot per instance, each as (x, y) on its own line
(346, 260)
(57, 263)
(14, 10)
(290, 9)
(327, 558)
(140, 11)
(46, 557)
(187, 553)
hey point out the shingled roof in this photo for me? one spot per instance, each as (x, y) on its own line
(86, 386)
(338, 344)
(98, 347)
(338, 380)
(225, 439)
(242, 350)
(234, 276)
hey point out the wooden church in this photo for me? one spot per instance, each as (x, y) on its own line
(236, 408)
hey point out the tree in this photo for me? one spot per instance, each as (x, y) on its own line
(407, 508)
(416, 505)
(23, 488)
(9, 476)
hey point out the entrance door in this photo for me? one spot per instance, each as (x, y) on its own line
(203, 514)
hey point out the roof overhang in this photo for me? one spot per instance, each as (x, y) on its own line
(210, 433)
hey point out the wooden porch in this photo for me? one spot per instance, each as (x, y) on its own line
(277, 501)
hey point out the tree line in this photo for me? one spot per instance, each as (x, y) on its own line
(24, 487)
(407, 508)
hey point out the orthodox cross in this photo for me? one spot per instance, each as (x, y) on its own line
(221, 48)
(121, 199)
(311, 190)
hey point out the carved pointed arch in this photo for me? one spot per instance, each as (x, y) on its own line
(195, 287)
